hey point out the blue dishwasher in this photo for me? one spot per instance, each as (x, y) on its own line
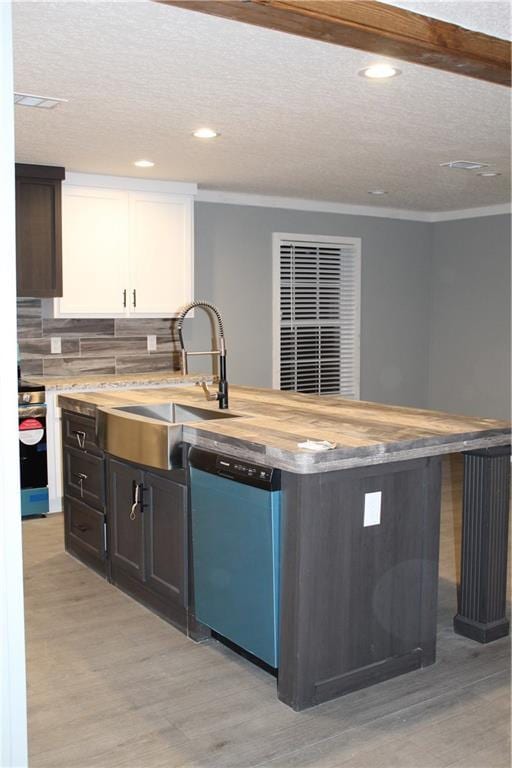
(235, 537)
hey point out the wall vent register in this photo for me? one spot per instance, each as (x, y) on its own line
(316, 314)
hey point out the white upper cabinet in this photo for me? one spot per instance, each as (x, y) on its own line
(95, 247)
(160, 250)
(127, 247)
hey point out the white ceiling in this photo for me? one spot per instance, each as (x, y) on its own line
(296, 119)
(493, 17)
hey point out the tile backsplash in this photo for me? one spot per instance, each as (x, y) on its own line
(92, 346)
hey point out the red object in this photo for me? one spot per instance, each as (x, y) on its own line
(30, 424)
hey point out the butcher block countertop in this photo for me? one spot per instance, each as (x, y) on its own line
(271, 423)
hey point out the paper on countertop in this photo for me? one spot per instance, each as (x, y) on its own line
(317, 445)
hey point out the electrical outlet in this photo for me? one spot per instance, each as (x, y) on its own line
(372, 504)
(55, 345)
(151, 343)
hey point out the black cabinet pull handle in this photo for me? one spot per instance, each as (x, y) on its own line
(124, 298)
(134, 297)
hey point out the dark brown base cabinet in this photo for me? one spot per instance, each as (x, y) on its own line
(85, 527)
(147, 533)
(358, 602)
(129, 524)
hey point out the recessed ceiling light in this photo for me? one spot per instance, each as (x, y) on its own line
(464, 165)
(380, 72)
(144, 163)
(489, 173)
(205, 133)
(42, 102)
(377, 192)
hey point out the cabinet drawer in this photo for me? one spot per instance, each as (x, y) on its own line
(85, 528)
(79, 432)
(84, 477)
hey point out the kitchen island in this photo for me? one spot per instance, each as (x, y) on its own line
(358, 598)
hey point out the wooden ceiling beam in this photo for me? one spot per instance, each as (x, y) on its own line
(375, 27)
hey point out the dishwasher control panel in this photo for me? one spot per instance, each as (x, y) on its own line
(238, 470)
(242, 469)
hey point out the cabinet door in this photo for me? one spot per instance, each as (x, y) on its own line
(166, 538)
(126, 530)
(95, 252)
(161, 236)
(38, 231)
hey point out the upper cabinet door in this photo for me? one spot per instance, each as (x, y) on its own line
(161, 248)
(95, 252)
(38, 230)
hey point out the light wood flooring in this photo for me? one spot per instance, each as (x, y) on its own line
(111, 685)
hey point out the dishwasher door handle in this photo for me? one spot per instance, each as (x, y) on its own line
(225, 474)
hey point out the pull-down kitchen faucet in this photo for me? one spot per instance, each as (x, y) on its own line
(222, 394)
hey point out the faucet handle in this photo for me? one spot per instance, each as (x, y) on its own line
(209, 395)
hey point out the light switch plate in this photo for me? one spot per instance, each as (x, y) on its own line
(55, 345)
(372, 504)
(151, 343)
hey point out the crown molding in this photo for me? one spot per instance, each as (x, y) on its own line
(472, 213)
(130, 183)
(322, 206)
(300, 204)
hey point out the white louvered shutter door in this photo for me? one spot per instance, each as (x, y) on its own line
(319, 300)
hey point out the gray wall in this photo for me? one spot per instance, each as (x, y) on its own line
(470, 317)
(234, 270)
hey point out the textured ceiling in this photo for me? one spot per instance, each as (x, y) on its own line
(493, 17)
(296, 119)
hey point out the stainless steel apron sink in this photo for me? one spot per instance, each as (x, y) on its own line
(150, 434)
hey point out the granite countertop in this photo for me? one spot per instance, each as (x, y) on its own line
(110, 381)
(271, 423)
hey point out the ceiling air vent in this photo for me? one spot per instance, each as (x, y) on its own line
(464, 165)
(42, 102)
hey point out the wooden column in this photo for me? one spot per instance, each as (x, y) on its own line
(483, 580)
(358, 603)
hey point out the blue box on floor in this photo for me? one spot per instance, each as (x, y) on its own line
(34, 501)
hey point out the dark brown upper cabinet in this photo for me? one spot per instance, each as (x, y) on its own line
(39, 230)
